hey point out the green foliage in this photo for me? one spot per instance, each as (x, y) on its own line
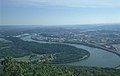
(63, 53)
(9, 49)
(13, 68)
(10, 68)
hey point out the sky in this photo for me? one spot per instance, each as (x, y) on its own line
(59, 12)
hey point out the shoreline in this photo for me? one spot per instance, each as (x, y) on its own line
(71, 61)
(80, 59)
(117, 67)
(87, 44)
(94, 46)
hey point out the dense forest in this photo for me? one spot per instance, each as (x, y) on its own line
(18, 48)
(11, 67)
(7, 48)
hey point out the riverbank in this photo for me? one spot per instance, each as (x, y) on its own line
(87, 44)
(60, 53)
(98, 57)
(75, 60)
(118, 67)
(95, 46)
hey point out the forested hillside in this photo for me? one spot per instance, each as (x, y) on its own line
(63, 53)
(11, 67)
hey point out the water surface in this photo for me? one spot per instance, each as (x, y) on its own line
(98, 57)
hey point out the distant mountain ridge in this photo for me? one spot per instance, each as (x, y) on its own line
(61, 28)
(114, 27)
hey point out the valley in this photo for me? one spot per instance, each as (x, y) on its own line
(61, 47)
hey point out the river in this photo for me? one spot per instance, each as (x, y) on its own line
(98, 57)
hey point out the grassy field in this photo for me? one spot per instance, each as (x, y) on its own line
(26, 58)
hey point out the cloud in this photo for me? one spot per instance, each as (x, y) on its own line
(72, 3)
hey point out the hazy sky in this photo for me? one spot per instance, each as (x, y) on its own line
(59, 12)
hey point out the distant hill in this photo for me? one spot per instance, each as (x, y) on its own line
(63, 28)
(114, 27)
(82, 27)
(94, 27)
